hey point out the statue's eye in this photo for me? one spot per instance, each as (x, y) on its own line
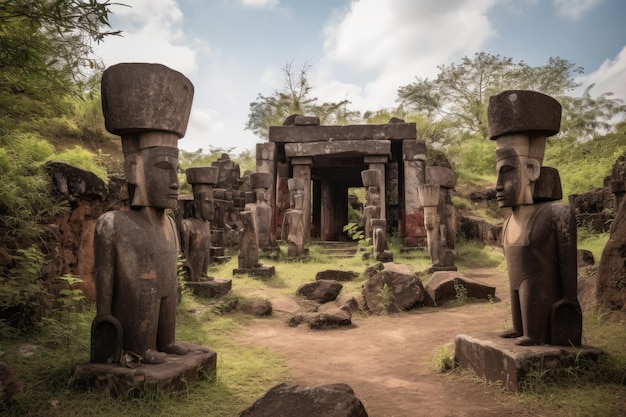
(163, 165)
(506, 168)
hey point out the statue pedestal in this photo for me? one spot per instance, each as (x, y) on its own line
(498, 359)
(210, 289)
(173, 375)
(261, 271)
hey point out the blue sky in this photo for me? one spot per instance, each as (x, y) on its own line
(360, 50)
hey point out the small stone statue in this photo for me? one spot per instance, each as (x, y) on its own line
(293, 229)
(539, 237)
(136, 250)
(196, 230)
(372, 180)
(429, 196)
(248, 243)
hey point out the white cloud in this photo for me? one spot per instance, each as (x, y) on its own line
(260, 3)
(609, 77)
(574, 9)
(395, 41)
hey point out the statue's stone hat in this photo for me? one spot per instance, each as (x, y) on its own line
(147, 104)
(202, 179)
(532, 115)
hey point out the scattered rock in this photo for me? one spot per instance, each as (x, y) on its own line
(10, 384)
(395, 288)
(336, 275)
(442, 286)
(321, 291)
(288, 400)
(257, 308)
(585, 258)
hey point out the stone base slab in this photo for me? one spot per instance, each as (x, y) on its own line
(262, 271)
(173, 375)
(499, 359)
(210, 289)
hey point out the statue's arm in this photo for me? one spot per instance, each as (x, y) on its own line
(565, 221)
(185, 237)
(104, 259)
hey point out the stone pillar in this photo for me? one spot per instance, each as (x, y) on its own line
(302, 169)
(266, 156)
(282, 202)
(446, 179)
(414, 157)
(378, 162)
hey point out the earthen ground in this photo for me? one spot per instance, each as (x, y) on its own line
(388, 360)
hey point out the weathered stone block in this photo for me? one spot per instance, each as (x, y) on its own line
(498, 359)
(172, 375)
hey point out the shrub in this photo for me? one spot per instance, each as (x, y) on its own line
(21, 289)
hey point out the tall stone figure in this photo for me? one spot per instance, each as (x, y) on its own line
(539, 237)
(196, 230)
(136, 250)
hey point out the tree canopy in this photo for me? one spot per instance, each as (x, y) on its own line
(45, 50)
(460, 93)
(294, 98)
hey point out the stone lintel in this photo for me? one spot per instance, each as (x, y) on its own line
(498, 359)
(413, 150)
(173, 375)
(351, 147)
(391, 131)
(302, 161)
(376, 159)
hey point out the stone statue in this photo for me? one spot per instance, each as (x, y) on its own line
(293, 228)
(429, 196)
(379, 238)
(248, 243)
(372, 179)
(539, 237)
(136, 250)
(196, 230)
(260, 182)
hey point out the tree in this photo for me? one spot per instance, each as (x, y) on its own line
(45, 50)
(293, 98)
(460, 93)
(584, 116)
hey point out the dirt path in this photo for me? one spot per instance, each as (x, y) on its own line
(387, 360)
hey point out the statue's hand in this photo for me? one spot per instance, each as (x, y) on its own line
(566, 302)
(108, 318)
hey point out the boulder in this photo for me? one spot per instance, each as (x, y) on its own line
(395, 288)
(321, 291)
(73, 182)
(442, 286)
(256, 308)
(288, 400)
(336, 275)
(611, 283)
(585, 258)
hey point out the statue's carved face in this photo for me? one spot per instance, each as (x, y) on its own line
(511, 181)
(157, 178)
(205, 203)
(431, 218)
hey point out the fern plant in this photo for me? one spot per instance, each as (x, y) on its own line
(21, 289)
